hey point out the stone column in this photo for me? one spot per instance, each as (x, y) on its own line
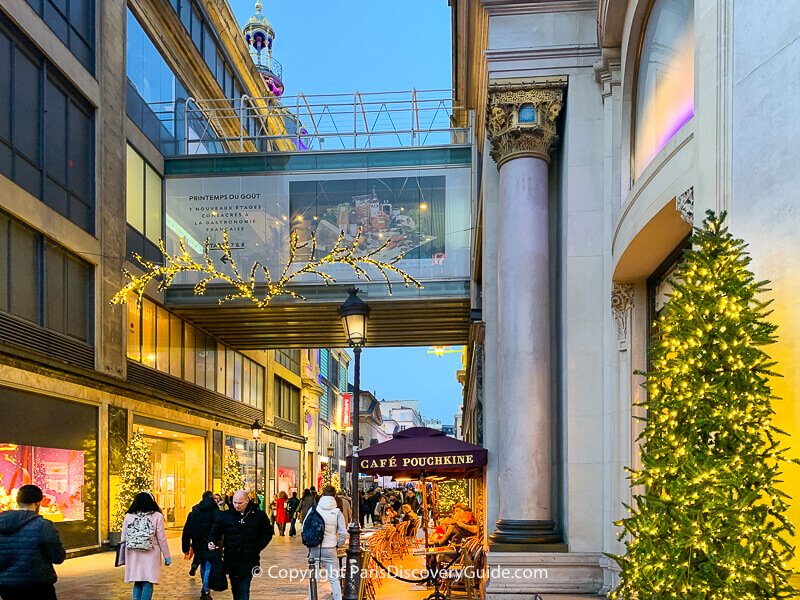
(521, 123)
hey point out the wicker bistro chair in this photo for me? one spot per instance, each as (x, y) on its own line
(465, 577)
(380, 546)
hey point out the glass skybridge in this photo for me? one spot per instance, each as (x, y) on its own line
(414, 199)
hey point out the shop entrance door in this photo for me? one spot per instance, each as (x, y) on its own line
(177, 460)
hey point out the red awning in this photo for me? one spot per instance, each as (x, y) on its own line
(422, 452)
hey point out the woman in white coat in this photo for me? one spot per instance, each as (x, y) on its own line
(335, 533)
(143, 566)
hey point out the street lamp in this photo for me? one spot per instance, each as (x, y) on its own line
(355, 314)
(255, 429)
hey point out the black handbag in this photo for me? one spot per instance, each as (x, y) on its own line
(217, 580)
(119, 561)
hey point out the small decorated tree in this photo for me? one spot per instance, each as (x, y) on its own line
(330, 477)
(232, 477)
(451, 493)
(135, 477)
(710, 522)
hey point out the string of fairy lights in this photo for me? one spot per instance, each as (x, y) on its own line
(259, 285)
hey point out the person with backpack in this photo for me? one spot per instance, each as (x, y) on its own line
(195, 538)
(243, 533)
(324, 530)
(145, 539)
(292, 504)
(29, 547)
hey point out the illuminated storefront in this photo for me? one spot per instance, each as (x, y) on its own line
(178, 459)
(36, 448)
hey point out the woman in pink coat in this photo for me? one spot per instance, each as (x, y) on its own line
(143, 526)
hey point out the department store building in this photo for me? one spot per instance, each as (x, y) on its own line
(605, 130)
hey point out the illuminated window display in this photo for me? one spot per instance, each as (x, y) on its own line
(57, 471)
(665, 79)
(246, 451)
(288, 470)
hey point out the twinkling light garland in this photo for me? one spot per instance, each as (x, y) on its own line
(259, 286)
(709, 520)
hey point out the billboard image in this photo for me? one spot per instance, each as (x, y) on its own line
(404, 214)
(423, 214)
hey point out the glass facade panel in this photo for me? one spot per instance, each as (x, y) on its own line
(154, 205)
(220, 361)
(200, 360)
(134, 192)
(24, 275)
(134, 330)
(52, 153)
(148, 333)
(162, 340)
(211, 361)
(664, 80)
(189, 349)
(73, 23)
(229, 370)
(175, 346)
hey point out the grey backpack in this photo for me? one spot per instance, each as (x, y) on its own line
(140, 533)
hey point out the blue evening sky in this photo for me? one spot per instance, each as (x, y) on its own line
(330, 47)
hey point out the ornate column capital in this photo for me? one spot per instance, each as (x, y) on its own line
(521, 117)
(622, 298)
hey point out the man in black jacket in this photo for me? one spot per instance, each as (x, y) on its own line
(29, 547)
(195, 537)
(245, 531)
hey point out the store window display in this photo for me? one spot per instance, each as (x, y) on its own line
(58, 472)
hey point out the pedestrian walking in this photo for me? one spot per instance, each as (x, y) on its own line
(281, 512)
(195, 539)
(308, 500)
(145, 539)
(273, 511)
(292, 506)
(335, 534)
(346, 507)
(29, 547)
(243, 532)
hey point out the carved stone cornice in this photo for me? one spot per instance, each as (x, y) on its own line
(621, 307)
(521, 117)
(684, 204)
(608, 71)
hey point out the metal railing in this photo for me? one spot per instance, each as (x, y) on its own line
(333, 122)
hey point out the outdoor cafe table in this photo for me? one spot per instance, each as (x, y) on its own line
(434, 573)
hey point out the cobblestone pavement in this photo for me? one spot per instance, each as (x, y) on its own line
(94, 577)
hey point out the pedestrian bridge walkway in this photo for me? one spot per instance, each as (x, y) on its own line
(411, 196)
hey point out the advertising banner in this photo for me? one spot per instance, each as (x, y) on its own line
(423, 214)
(347, 410)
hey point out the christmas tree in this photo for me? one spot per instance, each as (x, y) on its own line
(710, 520)
(451, 493)
(135, 477)
(232, 478)
(331, 477)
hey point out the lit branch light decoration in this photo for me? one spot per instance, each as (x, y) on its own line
(259, 286)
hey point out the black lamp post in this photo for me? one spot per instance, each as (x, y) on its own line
(256, 428)
(355, 314)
